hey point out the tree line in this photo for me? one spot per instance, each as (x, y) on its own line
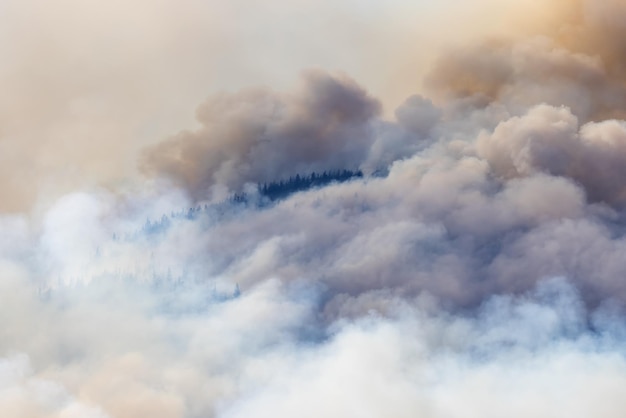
(268, 192)
(281, 189)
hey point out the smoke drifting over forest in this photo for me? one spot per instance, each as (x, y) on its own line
(460, 255)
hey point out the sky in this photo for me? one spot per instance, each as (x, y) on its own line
(85, 84)
(474, 269)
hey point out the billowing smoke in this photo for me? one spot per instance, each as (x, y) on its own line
(578, 62)
(259, 136)
(304, 251)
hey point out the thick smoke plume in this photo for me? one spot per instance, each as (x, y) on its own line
(578, 62)
(473, 267)
(259, 136)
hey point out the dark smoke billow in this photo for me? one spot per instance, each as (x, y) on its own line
(257, 136)
(475, 269)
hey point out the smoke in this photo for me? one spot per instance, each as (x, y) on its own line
(426, 365)
(576, 61)
(86, 86)
(259, 136)
(119, 348)
(474, 269)
(549, 140)
(529, 72)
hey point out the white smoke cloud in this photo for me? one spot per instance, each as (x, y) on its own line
(517, 358)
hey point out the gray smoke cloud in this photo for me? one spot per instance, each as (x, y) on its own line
(576, 61)
(550, 140)
(475, 269)
(259, 136)
(530, 72)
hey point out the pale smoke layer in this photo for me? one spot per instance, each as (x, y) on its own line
(117, 349)
(377, 369)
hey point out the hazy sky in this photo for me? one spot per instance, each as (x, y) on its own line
(86, 84)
